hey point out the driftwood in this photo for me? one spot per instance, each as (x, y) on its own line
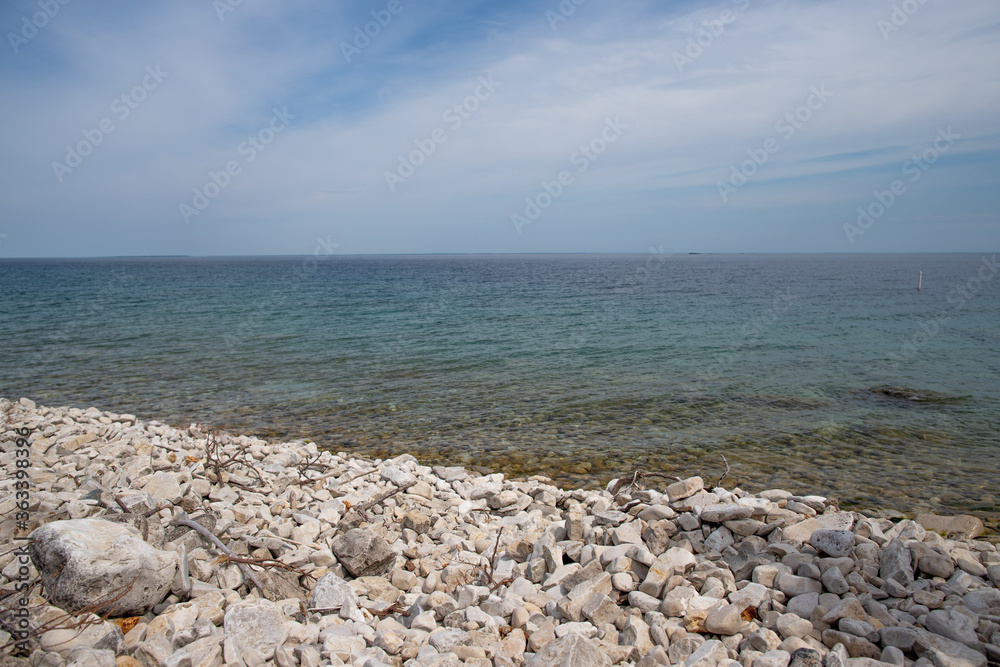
(333, 473)
(719, 481)
(358, 513)
(635, 478)
(263, 563)
(394, 608)
(248, 574)
(382, 497)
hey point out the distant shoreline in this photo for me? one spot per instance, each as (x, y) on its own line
(676, 255)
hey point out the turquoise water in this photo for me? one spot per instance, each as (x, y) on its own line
(577, 367)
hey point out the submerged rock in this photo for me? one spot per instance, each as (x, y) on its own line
(904, 394)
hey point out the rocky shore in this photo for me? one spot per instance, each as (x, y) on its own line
(153, 545)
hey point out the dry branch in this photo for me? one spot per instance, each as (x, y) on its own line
(332, 473)
(359, 513)
(311, 463)
(487, 568)
(68, 621)
(182, 520)
(633, 479)
(382, 497)
(218, 459)
(719, 481)
(262, 563)
(394, 608)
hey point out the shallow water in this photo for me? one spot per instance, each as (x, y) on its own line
(577, 367)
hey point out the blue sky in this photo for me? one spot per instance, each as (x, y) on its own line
(263, 127)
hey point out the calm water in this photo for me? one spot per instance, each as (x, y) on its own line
(577, 367)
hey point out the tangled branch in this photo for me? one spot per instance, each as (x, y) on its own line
(218, 459)
(487, 569)
(263, 563)
(311, 463)
(634, 479)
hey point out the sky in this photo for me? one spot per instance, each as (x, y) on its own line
(260, 127)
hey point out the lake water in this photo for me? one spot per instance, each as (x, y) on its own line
(579, 367)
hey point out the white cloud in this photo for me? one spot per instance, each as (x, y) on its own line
(326, 171)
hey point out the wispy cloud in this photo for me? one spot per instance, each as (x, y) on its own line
(354, 117)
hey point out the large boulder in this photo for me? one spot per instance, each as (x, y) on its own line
(101, 566)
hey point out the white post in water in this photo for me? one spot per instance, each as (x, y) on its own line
(920, 280)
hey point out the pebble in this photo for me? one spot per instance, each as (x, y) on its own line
(491, 571)
(805, 657)
(794, 585)
(834, 543)
(792, 625)
(724, 620)
(776, 658)
(834, 582)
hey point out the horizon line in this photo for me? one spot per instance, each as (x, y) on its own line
(500, 254)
